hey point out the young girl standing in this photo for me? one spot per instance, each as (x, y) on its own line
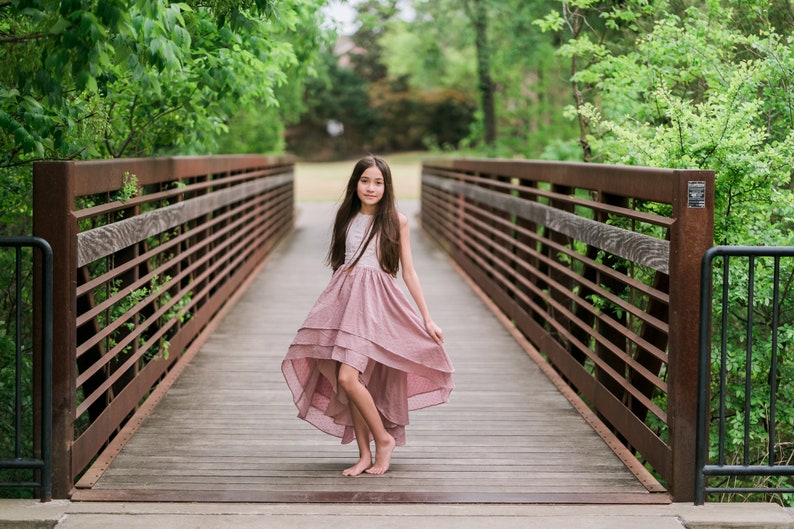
(364, 358)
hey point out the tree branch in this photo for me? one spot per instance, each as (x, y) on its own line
(25, 38)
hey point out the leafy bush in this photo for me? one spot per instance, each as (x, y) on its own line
(698, 91)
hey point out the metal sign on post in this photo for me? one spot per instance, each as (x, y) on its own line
(696, 194)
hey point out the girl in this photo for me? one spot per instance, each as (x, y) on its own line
(364, 357)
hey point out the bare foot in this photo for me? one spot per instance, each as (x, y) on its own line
(382, 457)
(363, 464)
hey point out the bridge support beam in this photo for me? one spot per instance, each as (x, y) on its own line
(691, 235)
(53, 191)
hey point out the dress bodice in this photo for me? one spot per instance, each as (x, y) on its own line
(357, 233)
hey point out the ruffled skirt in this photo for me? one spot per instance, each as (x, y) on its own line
(364, 319)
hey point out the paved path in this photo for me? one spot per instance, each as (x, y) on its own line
(28, 514)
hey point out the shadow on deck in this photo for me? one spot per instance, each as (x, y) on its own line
(227, 429)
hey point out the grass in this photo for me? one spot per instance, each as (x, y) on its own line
(325, 181)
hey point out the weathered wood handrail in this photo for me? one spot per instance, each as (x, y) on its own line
(146, 254)
(598, 267)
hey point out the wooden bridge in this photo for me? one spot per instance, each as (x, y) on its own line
(165, 399)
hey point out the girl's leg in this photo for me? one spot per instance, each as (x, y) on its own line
(362, 439)
(360, 397)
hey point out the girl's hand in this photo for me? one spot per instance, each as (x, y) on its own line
(434, 331)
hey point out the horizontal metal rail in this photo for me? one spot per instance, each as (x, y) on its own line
(715, 423)
(40, 460)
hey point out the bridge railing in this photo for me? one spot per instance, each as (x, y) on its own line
(744, 425)
(147, 252)
(598, 268)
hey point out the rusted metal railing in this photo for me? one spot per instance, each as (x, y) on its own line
(598, 268)
(147, 253)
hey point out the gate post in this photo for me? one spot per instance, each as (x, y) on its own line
(54, 221)
(691, 235)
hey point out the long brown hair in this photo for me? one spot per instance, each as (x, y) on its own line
(385, 222)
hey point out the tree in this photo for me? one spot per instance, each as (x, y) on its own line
(437, 49)
(711, 88)
(374, 17)
(335, 94)
(593, 29)
(94, 78)
(82, 79)
(477, 12)
(697, 93)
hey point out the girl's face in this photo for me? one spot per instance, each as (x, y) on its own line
(370, 189)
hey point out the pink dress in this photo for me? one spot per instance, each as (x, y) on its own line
(364, 319)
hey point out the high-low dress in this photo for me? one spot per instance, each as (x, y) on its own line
(364, 319)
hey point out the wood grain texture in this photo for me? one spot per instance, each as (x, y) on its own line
(227, 430)
(636, 247)
(105, 240)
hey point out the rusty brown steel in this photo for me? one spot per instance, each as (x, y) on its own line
(479, 249)
(691, 236)
(475, 250)
(528, 191)
(643, 183)
(155, 276)
(621, 332)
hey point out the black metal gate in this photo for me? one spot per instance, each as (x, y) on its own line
(750, 334)
(40, 460)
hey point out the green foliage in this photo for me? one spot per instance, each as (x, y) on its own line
(436, 50)
(406, 119)
(429, 64)
(698, 100)
(335, 94)
(158, 294)
(694, 89)
(130, 188)
(118, 78)
(86, 79)
(256, 131)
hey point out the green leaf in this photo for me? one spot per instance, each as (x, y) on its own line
(60, 26)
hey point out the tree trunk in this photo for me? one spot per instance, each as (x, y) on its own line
(476, 10)
(575, 25)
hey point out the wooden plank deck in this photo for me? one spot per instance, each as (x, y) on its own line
(227, 429)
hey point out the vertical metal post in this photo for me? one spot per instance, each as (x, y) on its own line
(726, 288)
(773, 364)
(704, 371)
(18, 355)
(42, 359)
(54, 221)
(46, 371)
(691, 236)
(748, 358)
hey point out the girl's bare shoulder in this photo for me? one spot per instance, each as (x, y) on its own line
(403, 219)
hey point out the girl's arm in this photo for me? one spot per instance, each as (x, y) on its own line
(412, 280)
